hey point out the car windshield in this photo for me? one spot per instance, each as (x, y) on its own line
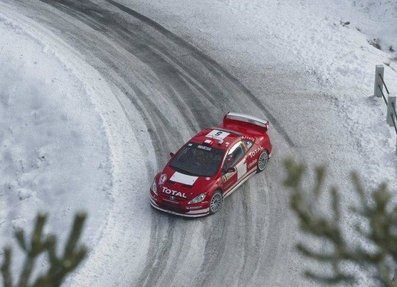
(196, 159)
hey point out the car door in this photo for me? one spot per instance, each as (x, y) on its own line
(235, 158)
(250, 158)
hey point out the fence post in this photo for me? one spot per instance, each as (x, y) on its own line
(391, 111)
(391, 116)
(378, 87)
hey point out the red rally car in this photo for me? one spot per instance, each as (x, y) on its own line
(211, 165)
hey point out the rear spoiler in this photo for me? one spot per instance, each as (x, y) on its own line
(256, 123)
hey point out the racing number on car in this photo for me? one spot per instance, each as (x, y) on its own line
(217, 134)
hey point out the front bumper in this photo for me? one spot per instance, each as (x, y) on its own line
(161, 205)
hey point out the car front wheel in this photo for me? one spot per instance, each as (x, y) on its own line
(216, 202)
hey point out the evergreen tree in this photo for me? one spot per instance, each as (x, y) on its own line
(59, 265)
(377, 211)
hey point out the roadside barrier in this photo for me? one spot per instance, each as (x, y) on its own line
(390, 101)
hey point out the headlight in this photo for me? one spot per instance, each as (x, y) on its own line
(154, 187)
(198, 198)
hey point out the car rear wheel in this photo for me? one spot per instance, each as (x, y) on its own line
(262, 161)
(216, 202)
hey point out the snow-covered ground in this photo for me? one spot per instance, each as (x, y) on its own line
(312, 38)
(54, 152)
(61, 147)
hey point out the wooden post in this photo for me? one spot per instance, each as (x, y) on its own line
(378, 87)
(391, 117)
(394, 280)
(391, 111)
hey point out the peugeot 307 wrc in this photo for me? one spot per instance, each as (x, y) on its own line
(211, 165)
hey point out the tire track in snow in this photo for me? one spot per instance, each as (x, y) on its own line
(200, 91)
(212, 64)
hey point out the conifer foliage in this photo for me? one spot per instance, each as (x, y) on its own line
(59, 266)
(377, 211)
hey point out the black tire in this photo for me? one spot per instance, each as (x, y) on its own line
(262, 161)
(216, 202)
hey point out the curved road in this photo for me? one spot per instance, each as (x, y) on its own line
(178, 90)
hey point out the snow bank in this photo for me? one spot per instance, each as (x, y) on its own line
(65, 143)
(88, 155)
(53, 146)
(376, 19)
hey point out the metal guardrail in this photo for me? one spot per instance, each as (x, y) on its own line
(391, 114)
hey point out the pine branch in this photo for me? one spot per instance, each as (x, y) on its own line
(71, 258)
(32, 250)
(59, 267)
(331, 280)
(5, 268)
(319, 256)
(381, 218)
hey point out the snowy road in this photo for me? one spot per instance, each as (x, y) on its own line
(168, 90)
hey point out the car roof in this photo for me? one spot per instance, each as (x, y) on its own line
(217, 137)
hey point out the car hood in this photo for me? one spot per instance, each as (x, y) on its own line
(182, 186)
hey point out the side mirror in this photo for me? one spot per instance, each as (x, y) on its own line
(172, 154)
